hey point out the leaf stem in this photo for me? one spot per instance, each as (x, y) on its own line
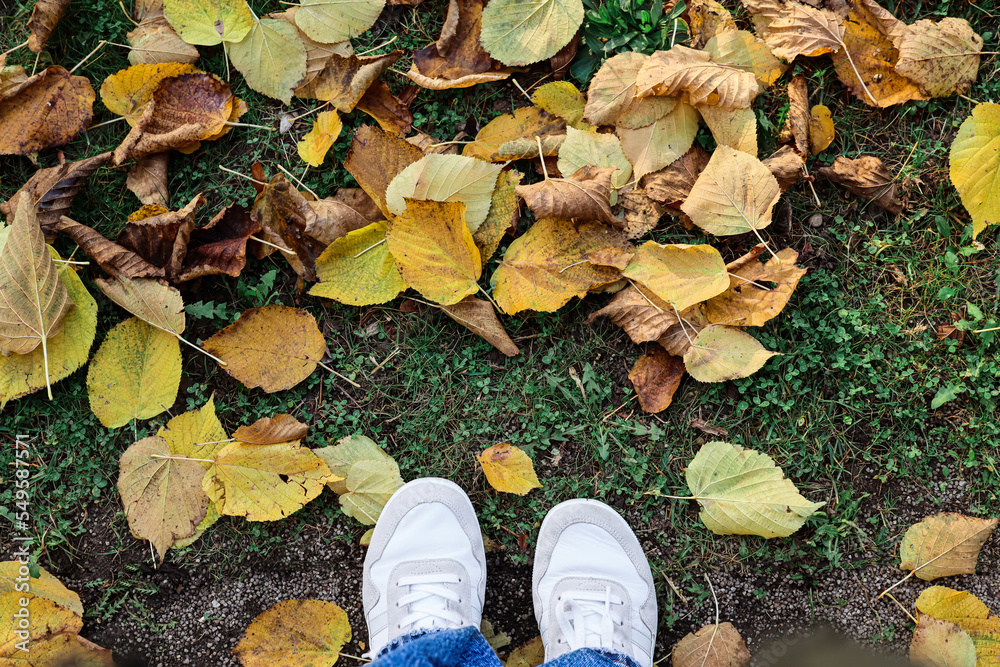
(985, 330)
(380, 46)
(179, 458)
(755, 284)
(107, 122)
(905, 610)
(256, 127)
(87, 57)
(308, 113)
(249, 178)
(541, 158)
(69, 261)
(850, 60)
(518, 86)
(19, 46)
(894, 585)
(490, 298)
(125, 12)
(374, 245)
(202, 350)
(304, 186)
(273, 245)
(324, 366)
(567, 268)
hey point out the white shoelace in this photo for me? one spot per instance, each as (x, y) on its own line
(588, 619)
(427, 602)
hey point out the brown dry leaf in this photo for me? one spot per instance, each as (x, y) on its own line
(284, 215)
(344, 81)
(944, 545)
(640, 211)
(866, 177)
(358, 200)
(375, 158)
(127, 92)
(611, 97)
(942, 58)
(526, 122)
(391, 113)
(640, 313)
(686, 71)
(272, 347)
(585, 194)
(111, 257)
(548, 265)
(43, 111)
(147, 179)
(744, 304)
(184, 109)
(11, 76)
(480, 318)
(161, 239)
(678, 338)
(706, 19)
(712, 646)
(332, 220)
(655, 377)
(526, 149)
(508, 469)
(672, 185)
(821, 129)
(787, 166)
(792, 29)
(709, 428)
(272, 431)
(154, 40)
(220, 247)
(457, 59)
(796, 129)
(53, 190)
(43, 21)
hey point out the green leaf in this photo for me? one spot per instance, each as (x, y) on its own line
(946, 394)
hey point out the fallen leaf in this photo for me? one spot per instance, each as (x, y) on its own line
(318, 54)
(712, 646)
(220, 247)
(272, 431)
(264, 482)
(721, 353)
(547, 266)
(50, 637)
(749, 301)
(679, 274)
(44, 18)
(529, 654)
(796, 129)
(43, 586)
(457, 59)
(503, 215)
(508, 469)
(585, 194)
(941, 644)
(655, 377)
(611, 97)
(370, 484)
(331, 22)
(434, 250)
(355, 450)
(660, 143)
(135, 374)
(587, 149)
(970, 614)
(693, 73)
(640, 211)
(679, 338)
(111, 257)
(196, 434)
(344, 80)
(526, 122)
(320, 139)
(974, 164)
(787, 166)
(445, 178)
(741, 50)
(147, 179)
(734, 194)
(271, 58)
(866, 177)
(522, 32)
(358, 269)
(162, 494)
(388, 110)
(944, 545)
(793, 29)
(941, 58)
(128, 92)
(821, 129)
(147, 299)
(284, 216)
(736, 129)
(707, 18)
(209, 22)
(742, 492)
(562, 99)
(480, 318)
(53, 190)
(48, 109)
(276, 638)
(641, 314)
(154, 40)
(375, 158)
(271, 347)
(671, 185)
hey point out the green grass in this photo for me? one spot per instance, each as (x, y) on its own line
(846, 411)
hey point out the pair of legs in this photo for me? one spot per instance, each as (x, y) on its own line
(425, 584)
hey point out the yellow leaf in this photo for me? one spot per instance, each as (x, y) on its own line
(211, 516)
(734, 194)
(370, 484)
(969, 613)
(264, 482)
(721, 353)
(320, 139)
(374, 160)
(271, 347)
(662, 142)
(522, 32)
(684, 71)
(975, 165)
(504, 214)
(446, 178)
(942, 58)
(529, 654)
(741, 50)
(197, 434)
(944, 545)
(21, 374)
(549, 264)
(736, 129)
(147, 299)
(356, 449)
(941, 644)
(128, 91)
(746, 304)
(295, 633)
(209, 22)
(51, 635)
(271, 58)
(563, 99)
(43, 586)
(821, 130)
(611, 97)
(527, 122)
(434, 250)
(508, 469)
(582, 149)
(329, 22)
(358, 269)
(162, 496)
(135, 374)
(680, 274)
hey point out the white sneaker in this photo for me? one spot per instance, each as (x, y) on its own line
(426, 566)
(591, 584)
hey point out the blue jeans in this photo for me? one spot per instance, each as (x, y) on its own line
(466, 647)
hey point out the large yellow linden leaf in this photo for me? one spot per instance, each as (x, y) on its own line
(734, 194)
(331, 21)
(680, 274)
(660, 143)
(44, 586)
(135, 374)
(969, 613)
(446, 178)
(265, 482)
(721, 353)
(358, 269)
(319, 140)
(943, 545)
(504, 213)
(611, 97)
(549, 264)
(941, 644)
(942, 58)
(197, 434)
(434, 250)
(563, 99)
(582, 149)
(348, 451)
(508, 469)
(21, 374)
(295, 633)
(742, 492)
(128, 91)
(522, 32)
(272, 347)
(271, 58)
(529, 122)
(209, 22)
(975, 165)
(51, 635)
